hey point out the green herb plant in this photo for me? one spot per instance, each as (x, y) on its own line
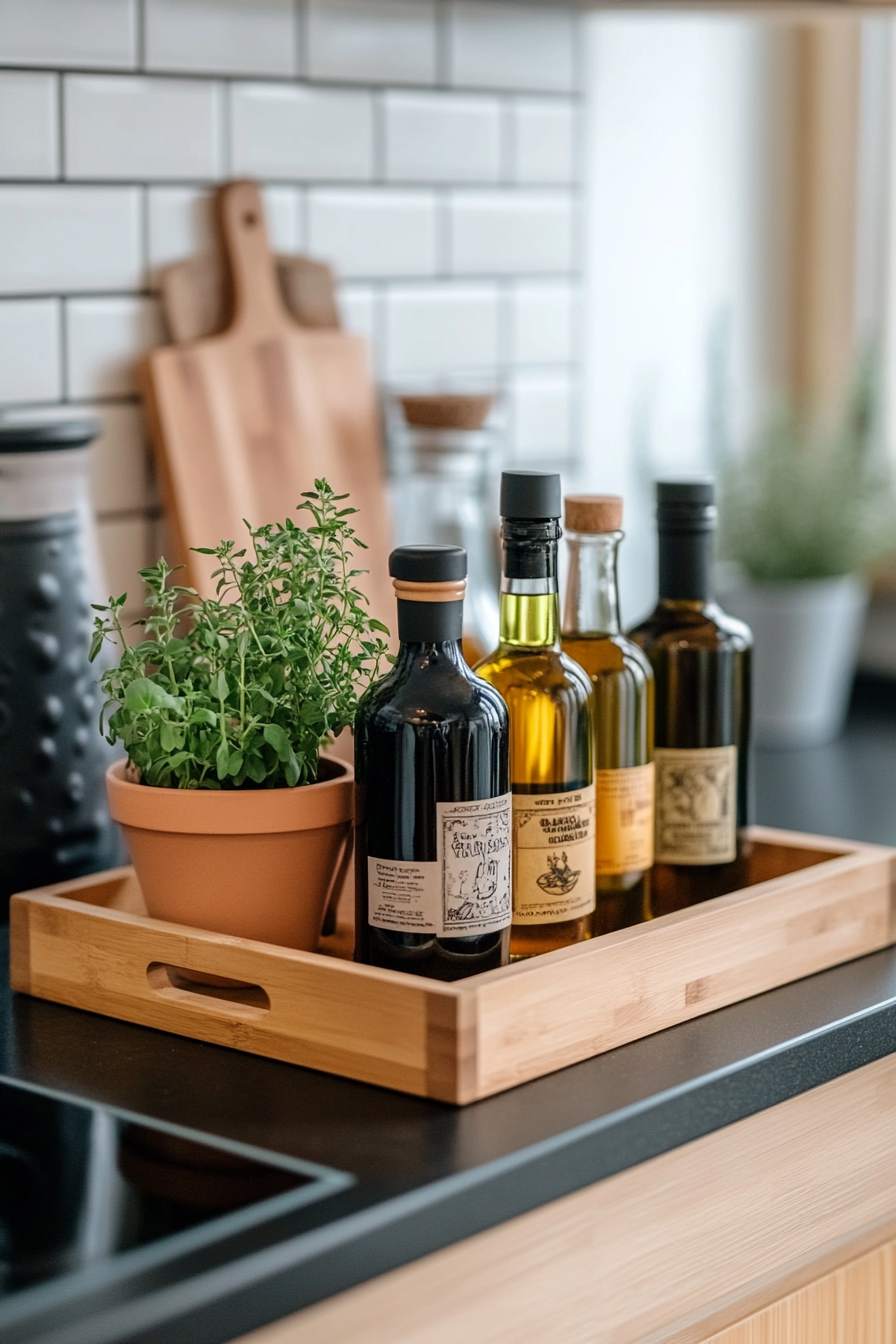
(805, 502)
(265, 674)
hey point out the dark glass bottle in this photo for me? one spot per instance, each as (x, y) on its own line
(551, 756)
(701, 662)
(433, 809)
(623, 710)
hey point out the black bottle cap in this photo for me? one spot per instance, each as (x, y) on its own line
(530, 494)
(686, 506)
(699, 491)
(428, 564)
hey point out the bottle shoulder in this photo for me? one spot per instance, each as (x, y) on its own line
(431, 691)
(603, 656)
(705, 627)
(545, 670)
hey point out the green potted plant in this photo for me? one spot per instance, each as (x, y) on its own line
(234, 818)
(802, 514)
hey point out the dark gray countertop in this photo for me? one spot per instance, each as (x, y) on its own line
(427, 1174)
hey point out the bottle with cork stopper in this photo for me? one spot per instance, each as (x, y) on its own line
(623, 710)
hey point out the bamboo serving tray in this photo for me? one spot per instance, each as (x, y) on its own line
(810, 904)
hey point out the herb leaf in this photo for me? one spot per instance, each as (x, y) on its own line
(244, 689)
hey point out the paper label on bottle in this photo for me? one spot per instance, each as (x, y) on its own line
(696, 805)
(465, 891)
(553, 856)
(625, 820)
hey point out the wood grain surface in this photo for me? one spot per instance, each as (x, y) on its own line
(854, 1304)
(652, 1254)
(90, 944)
(243, 422)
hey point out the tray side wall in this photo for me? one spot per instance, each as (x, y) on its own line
(659, 974)
(323, 1014)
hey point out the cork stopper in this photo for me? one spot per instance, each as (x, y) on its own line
(448, 410)
(593, 513)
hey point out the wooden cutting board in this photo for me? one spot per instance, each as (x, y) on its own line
(243, 422)
(196, 299)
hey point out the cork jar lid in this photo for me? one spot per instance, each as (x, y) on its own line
(593, 513)
(447, 410)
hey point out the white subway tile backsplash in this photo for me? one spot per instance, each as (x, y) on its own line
(69, 32)
(132, 127)
(372, 40)
(239, 37)
(542, 318)
(541, 417)
(29, 119)
(507, 46)
(437, 137)
(68, 239)
(30, 354)
(179, 224)
(476, 178)
(358, 308)
(285, 214)
(104, 340)
(373, 232)
(291, 131)
(509, 232)
(544, 141)
(120, 468)
(441, 329)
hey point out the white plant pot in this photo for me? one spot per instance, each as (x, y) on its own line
(806, 637)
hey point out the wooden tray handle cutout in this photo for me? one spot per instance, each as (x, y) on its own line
(245, 1002)
(257, 305)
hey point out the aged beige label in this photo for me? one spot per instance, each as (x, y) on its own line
(625, 821)
(465, 891)
(553, 856)
(696, 805)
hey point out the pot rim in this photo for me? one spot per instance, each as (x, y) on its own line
(305, 807)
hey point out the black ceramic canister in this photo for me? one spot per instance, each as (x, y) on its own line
(54, 822)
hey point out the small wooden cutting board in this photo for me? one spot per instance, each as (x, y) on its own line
(243, 422)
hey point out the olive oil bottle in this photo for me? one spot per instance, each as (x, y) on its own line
(623, 710)
(551, 732)
(701, 660)
(433, 808)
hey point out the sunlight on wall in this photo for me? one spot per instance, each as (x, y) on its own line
(672, 254)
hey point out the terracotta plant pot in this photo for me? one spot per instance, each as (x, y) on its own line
(252, 863)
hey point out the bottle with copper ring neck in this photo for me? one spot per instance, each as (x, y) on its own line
(433, 812)
(623, 710)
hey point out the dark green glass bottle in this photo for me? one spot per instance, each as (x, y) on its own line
(701, 661)
(433, 810)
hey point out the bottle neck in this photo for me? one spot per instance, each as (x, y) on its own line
(530, 605)
(424, 652)
(592, 591)
(685, 565)
(425, 623)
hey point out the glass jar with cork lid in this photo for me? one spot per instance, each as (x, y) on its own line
(442, 448)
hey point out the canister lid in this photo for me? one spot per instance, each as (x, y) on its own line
(593, 513)
(530, 494)
(428, 564)
(30, 432)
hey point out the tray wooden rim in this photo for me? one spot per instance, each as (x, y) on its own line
(845, 853)
(467, 1039)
